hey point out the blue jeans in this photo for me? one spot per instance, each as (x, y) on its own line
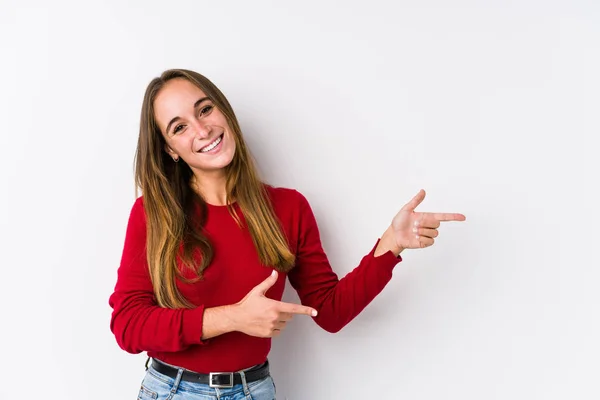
(157, 386)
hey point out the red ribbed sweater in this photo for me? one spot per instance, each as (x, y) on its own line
(174, 336)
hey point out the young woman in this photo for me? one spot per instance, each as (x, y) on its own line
(209, 245)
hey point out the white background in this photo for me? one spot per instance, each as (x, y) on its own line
(491, 106)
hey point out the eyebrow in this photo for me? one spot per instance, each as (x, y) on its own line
(196, 104)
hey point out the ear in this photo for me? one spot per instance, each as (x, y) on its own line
(170, 151)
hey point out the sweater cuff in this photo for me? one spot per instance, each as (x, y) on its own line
(387, 259)
(193, 320)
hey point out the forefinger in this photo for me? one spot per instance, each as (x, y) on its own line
(448, 216)
(297, 309)
(285, 316)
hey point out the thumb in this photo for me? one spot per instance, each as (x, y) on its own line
(267, 283)
(418, 199)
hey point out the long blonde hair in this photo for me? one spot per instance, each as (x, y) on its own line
(169, 202)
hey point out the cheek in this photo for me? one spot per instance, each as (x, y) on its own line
(232, 142)
(180, 144)
(232, 146)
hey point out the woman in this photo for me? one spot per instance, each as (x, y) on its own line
(208, 248)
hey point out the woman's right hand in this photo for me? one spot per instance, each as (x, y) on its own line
(257, 315)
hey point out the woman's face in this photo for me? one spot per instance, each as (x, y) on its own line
(194, 129)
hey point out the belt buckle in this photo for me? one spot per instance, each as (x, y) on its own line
(220, 385)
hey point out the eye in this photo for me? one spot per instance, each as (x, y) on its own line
(206, 110)
(177, 128)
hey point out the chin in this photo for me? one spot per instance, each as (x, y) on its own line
(218, 164)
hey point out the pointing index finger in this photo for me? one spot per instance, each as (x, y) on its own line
(449, 216)
(297, 309)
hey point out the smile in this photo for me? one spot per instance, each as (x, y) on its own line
(212, 145)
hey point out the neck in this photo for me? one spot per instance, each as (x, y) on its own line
(211, 187)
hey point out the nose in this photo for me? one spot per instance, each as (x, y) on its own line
(202, 130)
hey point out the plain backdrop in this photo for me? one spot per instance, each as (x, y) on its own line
(491, 106)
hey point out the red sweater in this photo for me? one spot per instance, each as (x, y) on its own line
(174, 336)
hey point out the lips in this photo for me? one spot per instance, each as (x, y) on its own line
(211, 145)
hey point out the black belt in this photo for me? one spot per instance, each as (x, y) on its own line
(214, 379)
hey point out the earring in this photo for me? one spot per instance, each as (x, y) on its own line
(176, 159)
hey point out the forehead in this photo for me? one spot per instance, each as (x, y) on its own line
(175, 99)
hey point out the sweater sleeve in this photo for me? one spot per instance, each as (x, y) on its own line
(338, 301)
(137, 321)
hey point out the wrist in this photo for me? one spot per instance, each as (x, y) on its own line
(233, 314)
(388, 243)
(219, 320)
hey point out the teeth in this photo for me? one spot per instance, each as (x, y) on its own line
(211, 146)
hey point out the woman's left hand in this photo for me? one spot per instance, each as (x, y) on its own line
(417, 230)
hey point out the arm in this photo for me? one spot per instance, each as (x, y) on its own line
(338, 301)
(137, 321)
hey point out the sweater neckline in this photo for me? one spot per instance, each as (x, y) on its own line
(220, 207)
